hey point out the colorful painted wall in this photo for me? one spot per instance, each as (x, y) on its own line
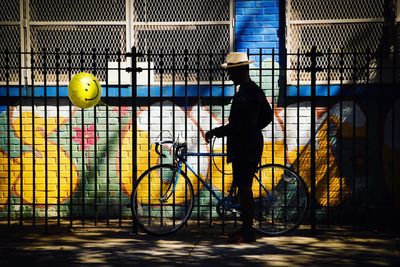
(94, 167)
(80, 162)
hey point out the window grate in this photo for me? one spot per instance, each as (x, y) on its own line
(335, 9)
(211, 39)
(176, 26)
(180, 10)
(77, 10)
(9, 10)
(84, 25)
(12, 43)
(77, 39)
(338, 25)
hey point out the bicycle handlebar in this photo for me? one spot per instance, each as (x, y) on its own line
(179, 149)
(161, 143)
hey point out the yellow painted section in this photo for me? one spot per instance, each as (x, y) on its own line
(323, 188)
(143, 164)
(34, 176)
(328, 185)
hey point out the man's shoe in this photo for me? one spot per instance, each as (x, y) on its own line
(242, 237)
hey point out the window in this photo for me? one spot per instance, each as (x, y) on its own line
(179, 25)
(92, 26)
(10, 27)
(354, 25)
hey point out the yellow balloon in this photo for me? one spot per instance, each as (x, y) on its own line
(84, 90)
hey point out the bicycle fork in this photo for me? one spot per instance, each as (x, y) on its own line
(173, 183)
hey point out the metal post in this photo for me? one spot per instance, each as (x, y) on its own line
(58, 133)
(8, 102)
(313, 69)
(134, 69)
(46, 166)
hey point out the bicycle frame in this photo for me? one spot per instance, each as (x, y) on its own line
(204, 183)
(271, 204)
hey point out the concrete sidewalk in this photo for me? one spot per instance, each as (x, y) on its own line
(192, 246)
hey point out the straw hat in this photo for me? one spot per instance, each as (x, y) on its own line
(236, 59)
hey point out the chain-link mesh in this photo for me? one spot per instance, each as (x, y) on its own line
(180, 10)
(76, 39)
(77, 10)
(335, 9)
(167, 39)
(212, 35)
(9, 10)
(341, 35)
(210, 38)
(11, 43)
(337, 37)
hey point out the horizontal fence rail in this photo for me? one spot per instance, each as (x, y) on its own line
(335, 124)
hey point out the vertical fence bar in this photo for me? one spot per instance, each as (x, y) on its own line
(273, 112)
(313, 69)
(186, 67)
(71, 208)
(341, 70)
(173, 121)
(328, 137)
(223, 139)
(107, 155)
(134, 120)
(273, 128)
(8, 103)
(94, 66)
(393, 125)
(119, 137)
(57, 65)
(21, 172)
(149, 126)
(284, 119)
(285, 103)
(298, 111)
(82, 62)
(380, 130)
(33, 139)
(298, 122)
(198, 130)
(46, 164)
(354, 174)
(367, 125)
(211, 110)
(161, 129)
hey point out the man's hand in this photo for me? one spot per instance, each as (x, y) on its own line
(209, 136)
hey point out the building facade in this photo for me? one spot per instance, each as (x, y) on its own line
(57, 160)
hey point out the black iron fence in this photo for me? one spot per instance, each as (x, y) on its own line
(335, 123)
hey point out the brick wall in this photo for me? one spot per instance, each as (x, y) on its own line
(256, 25)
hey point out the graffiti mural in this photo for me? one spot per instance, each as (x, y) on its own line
(86, 159)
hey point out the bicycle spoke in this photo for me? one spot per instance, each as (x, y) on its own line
(162, 210)
(281, 200)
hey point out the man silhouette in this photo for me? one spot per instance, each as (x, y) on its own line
(250, 113)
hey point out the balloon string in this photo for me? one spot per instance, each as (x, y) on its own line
(101, 103)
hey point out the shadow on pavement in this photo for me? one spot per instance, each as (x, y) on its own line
(194, 246)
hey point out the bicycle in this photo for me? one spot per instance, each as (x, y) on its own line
(162, 199)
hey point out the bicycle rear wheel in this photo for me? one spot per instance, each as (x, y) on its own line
(156, 207)
(281, 200)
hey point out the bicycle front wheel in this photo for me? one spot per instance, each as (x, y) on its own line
(162, 200)
(281, 199)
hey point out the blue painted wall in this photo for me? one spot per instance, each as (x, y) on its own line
(256, 25)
